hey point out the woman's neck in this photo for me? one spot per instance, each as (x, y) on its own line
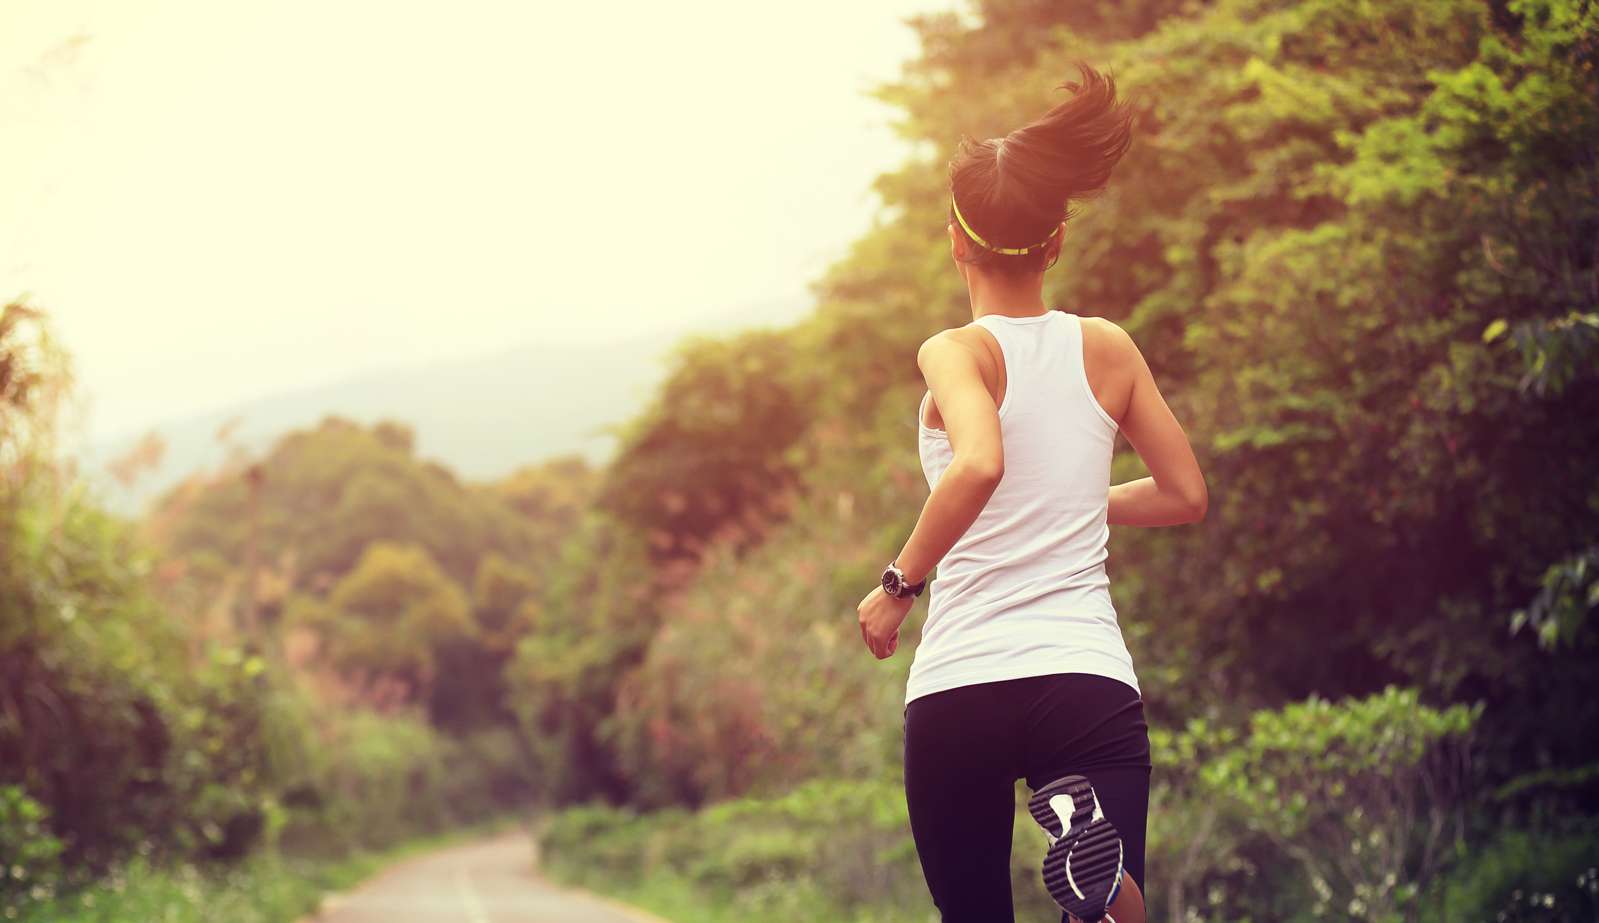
(1010, 295)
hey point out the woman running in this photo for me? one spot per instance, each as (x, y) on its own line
(1021, 671)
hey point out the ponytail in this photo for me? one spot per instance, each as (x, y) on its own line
(1012, 193)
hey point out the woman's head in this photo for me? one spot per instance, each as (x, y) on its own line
(1014, 193)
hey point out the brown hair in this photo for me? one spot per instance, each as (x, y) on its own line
(1013, 191)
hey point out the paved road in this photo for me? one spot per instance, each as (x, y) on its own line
(491, 881)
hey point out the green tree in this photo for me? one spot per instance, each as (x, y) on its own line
(385, 621)
(711, 458)
(329, 492)
(469, 690)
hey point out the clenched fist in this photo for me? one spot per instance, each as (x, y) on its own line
(880, 618)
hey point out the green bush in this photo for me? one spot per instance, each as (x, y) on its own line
(1522, 876)
(118, 723)
(1320, 809)
(260, 890)
(823, 850)
(376, 780)
(1362, 794)
(29, 855)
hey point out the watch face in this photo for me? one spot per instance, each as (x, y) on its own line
(891, 582)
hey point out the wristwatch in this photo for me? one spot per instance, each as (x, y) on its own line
(894, 583)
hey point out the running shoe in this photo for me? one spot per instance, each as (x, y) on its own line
(1083, 867)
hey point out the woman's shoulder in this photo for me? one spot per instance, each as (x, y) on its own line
(1103, 328)
(1106, 341)
(965, 332)
(972, 337)
(1110, 363)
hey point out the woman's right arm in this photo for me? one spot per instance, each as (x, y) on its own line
(1175, 491)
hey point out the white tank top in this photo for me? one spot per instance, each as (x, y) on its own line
(1024, 591)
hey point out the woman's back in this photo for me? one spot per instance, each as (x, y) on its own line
(1024, 591)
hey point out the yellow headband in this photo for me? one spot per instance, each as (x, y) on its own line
(988, 246)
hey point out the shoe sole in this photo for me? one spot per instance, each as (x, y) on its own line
(1064, 807)
(1084, 875)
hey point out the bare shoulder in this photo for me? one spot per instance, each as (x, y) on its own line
(953, 342)
(1107, 344)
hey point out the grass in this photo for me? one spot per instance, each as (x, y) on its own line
(266, 888)
(684, 901)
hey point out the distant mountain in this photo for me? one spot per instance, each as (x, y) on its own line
(483, 417)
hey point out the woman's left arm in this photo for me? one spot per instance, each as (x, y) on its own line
(949, 364)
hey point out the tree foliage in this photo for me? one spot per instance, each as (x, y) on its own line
(327, 493)
(386, 619)
(710, 459)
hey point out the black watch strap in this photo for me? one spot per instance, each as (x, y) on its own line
(911, 590)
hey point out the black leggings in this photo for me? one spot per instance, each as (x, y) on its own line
(966, 747)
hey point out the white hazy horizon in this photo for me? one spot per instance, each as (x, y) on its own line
(216, 202)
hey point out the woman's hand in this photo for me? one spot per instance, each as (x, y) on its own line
(880, 617)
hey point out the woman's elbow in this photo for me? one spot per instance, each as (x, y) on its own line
(1198, 502)
(984, 470)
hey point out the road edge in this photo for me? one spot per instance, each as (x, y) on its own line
(637, 914)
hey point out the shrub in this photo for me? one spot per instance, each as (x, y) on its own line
(1519, 876)
(29, 855)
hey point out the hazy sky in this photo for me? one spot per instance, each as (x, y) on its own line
(217, 200)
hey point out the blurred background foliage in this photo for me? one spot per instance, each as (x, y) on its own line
(1356, 241)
